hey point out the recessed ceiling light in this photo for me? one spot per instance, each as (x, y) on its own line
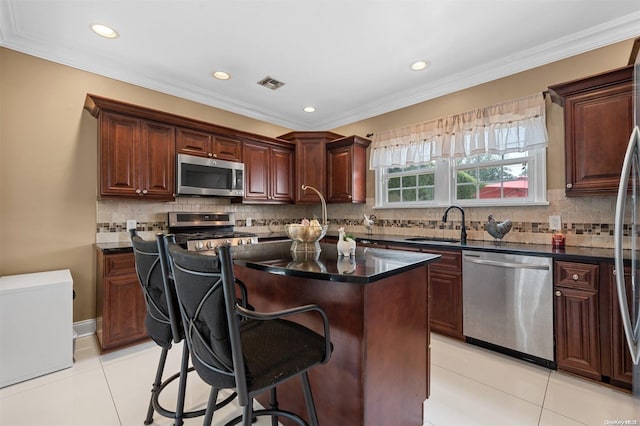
(419, 65)
(309, 109)
(221, 75)
(104, 31)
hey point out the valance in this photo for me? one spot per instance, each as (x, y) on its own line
(516, 125)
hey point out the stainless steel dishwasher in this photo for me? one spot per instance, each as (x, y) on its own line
(507, 304)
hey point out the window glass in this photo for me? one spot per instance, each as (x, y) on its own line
(485, 179)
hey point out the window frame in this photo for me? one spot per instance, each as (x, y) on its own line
(445, 186)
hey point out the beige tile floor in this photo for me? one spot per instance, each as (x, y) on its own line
(469, 386)
(475, 386)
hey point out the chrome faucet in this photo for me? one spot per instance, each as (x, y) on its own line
(463, 231)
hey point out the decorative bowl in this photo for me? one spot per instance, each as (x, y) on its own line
(305, 237)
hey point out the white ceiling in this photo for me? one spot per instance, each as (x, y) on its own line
(348, 58)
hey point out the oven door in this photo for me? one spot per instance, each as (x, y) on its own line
(206, 176)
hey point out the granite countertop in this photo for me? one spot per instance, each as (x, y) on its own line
(569, 253)
(367, 266)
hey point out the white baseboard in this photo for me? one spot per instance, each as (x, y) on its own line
(85, 328)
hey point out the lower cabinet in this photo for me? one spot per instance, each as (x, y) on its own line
(621, 367)
(590, 338)
(120, 307)
(577, 327)
(445, 291)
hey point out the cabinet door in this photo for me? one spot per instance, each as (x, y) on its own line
(621, 365)
(446, 302)
(577, 332)
(339, 175)
(601, 124)
(227, 149)
(157, 166)
(119, 154)
(123, 320)
(445, 284)
(598, 118)
(310, 169)
(193, 142)
(120, 304)
(257, 166)
(281, 175)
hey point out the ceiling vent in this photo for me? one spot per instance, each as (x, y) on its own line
(270, 83)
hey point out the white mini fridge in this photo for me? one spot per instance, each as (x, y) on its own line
(36, 325)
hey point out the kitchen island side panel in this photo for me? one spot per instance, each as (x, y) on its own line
(378, 372)
(396, 370)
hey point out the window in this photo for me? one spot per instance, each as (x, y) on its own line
(492, 176)
(410, 184)
(494, 155)
(479, 180)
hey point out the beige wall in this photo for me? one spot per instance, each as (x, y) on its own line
(517, 85)
(48, 153)
(48, 164)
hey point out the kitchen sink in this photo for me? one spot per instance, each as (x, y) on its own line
(433, 240)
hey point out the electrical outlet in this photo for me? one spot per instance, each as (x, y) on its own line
(131, 224)
(555, 222)
(249, 221)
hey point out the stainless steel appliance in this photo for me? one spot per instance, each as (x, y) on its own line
(507, 304)
(627, 217)
(206, 231)
(208, 176)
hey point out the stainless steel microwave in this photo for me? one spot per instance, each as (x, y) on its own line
(208, 176)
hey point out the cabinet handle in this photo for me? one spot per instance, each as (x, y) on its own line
(138, 191)
(569, 185)
(558, 293)
(209, 154)
(145, 192)
(575, 277)
(215, 155)
(614, 272)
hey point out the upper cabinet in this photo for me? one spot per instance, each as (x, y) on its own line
(598, 119)
(347, 170)
(310, 164)
(268, 172)
(137, 158)
(204, 144)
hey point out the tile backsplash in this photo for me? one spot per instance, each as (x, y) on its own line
(586, 222)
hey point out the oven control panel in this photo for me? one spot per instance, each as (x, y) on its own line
(205, 245)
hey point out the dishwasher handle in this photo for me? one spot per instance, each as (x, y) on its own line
(479, 261)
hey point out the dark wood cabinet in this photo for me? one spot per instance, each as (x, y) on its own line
(621, 366)
(268, 173)
(445, 291)
(311, 162)
(347, 170)
(205, 144)
(120, 304)
(577, 318)
(598, 119)
(136, 158)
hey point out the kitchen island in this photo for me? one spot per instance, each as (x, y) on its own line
(377, 305)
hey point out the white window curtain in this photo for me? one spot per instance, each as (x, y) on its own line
(513, 126)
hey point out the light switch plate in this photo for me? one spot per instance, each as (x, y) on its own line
(131, 224)
(249, 221)
(555, 223)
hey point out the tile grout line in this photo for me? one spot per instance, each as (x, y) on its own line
(113, 401)
(492, 387)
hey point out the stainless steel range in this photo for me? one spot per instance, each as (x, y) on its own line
(207, 231)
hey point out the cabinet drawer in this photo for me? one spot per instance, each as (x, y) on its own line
(118, 264)
(450, 260)
(576, 275)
